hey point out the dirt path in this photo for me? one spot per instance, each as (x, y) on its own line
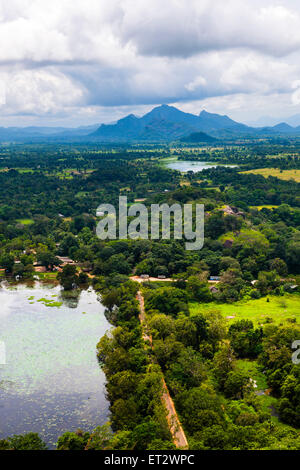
(156, 279)
(176, 429)
(142, 318)
(150, 279)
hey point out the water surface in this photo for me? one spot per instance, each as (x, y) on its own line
(190, 165)
(52, 381)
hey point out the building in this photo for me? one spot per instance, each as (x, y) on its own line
(65, 260)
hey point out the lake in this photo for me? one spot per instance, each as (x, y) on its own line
(191, 165)
(51, 382)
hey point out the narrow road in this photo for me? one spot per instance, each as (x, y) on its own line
(150, 279)
(140, 280)
(175, 427)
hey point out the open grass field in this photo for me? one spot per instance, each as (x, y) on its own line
(20, 170)
(279, 309)
(267, 401)
(67, 173)
(267, 206)
(254, 371)
(44, 276)
(284, 174)
(25, 221)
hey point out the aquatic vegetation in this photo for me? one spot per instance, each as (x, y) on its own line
(50, 302)
(52, 381)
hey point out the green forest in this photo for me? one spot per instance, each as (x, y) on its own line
(219, 322)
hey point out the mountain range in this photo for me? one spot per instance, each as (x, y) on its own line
(268, 121)
(168, 123)
(162, 124)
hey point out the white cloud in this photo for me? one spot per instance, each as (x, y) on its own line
(196, 83)
(296, 93)
(95, 58)
(182, 28)
(37, 91)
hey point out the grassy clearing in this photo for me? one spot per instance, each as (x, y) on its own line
(268, 402)
(47, 275)
(166, 160)
(215, 188)
(25, 221)
(253, 369)
(245, 234)
(66, 173)
(20, 170)
(81, 194)
(279, 309)
(281, 174)
(267, 206)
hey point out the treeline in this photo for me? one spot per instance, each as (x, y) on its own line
(284, 157)
(215, 396)
(246, 190)
(198, 354)
(37, 194)
(58, 157)
(134, 386)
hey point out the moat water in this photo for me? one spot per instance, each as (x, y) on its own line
(189, 165)
(51, 382)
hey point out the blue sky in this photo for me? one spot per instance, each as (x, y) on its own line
(80, 62)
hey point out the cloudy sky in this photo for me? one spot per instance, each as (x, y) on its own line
(75, 62)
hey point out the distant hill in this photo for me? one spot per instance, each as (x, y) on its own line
(209, 122)
(281, 128)
(198, 137)
(166, 123)
(268, 121)
(43, 134)
(162, 124)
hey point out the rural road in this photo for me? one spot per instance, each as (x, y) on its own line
(156, 279)
(175, 427)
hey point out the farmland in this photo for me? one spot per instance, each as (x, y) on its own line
(208, 340)
(281, 174)
(270, 309)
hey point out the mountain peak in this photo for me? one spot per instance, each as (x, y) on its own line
(163, 108)
(205, 113)
(166, 122)
(283, 125)
(129, 117)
